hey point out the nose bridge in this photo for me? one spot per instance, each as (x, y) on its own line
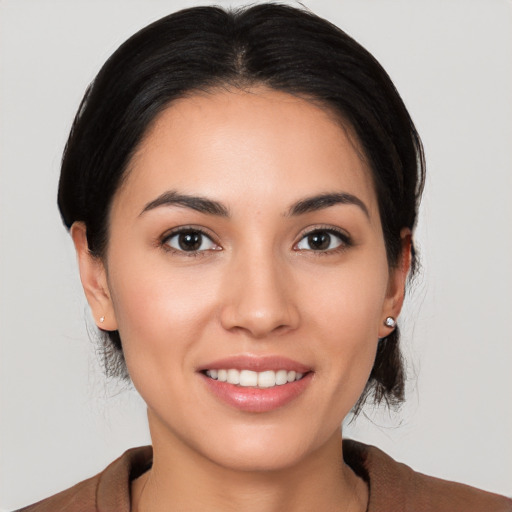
(259, 298)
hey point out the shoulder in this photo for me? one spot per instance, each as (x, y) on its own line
(395, 487)
(108, 491)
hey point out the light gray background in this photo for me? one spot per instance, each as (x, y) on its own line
(451, 61)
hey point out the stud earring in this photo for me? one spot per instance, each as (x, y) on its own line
(102, 319)
(390, 322)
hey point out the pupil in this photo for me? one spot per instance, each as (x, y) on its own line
(319, 241)
(189, 241)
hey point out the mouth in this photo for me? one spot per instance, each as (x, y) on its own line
(256, 384)
(252, 379)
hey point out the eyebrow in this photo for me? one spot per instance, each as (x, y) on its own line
(200, 204)
(211, 207)
(321, 201)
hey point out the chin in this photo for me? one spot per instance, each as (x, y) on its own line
(262, 449)
(259, 459)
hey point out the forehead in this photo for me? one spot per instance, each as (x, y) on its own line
(257, 143)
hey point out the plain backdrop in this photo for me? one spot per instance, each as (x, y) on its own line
(451, 60)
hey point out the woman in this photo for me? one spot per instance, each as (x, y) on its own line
(242, 190)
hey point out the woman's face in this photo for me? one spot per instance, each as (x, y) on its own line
(246, 244)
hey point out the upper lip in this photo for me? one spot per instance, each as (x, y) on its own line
(256, 364)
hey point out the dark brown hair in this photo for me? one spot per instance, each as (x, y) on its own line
(281, 47)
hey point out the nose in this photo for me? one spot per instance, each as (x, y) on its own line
(259, 297)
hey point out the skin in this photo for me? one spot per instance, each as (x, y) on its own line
(257, 288)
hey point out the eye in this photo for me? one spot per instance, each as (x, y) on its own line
(322, 240)
(190, 240)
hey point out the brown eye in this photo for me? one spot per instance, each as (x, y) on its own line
(190, 241)
(322, 240)
(319, 241)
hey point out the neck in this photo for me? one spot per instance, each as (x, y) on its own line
(182, 479)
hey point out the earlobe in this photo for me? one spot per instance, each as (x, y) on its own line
(94, 280)
(396, 286)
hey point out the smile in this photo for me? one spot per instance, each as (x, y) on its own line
(249, 378)
(255, 383)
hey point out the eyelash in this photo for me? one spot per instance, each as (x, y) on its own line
(344, 238)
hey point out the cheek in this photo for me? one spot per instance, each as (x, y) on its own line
(160, 314)
(345, 315)
(349, 300)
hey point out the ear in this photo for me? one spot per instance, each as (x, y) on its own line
(94, 280)
(396, 285)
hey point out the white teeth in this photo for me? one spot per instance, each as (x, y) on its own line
(281, 377)
(233, 377)
(267, 379)
(248, 378)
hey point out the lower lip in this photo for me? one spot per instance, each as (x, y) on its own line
(257, 399)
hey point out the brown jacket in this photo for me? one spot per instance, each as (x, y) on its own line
(394, 487)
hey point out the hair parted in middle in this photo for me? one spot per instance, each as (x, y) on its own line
(206, 48)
